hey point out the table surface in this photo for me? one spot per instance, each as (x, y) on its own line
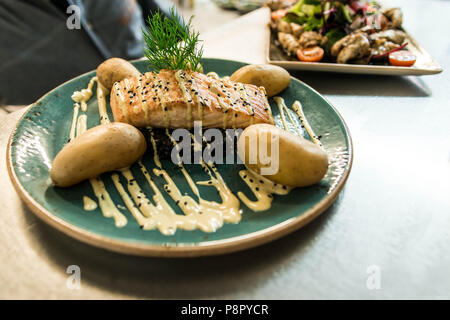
(387, 235)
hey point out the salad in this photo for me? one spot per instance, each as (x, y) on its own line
(346, 31)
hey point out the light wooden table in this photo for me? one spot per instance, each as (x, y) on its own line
(391, 223)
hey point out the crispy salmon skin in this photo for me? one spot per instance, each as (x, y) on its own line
(177, 98)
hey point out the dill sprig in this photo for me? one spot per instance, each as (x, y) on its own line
(171, 44)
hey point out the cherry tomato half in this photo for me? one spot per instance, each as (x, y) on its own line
(278, 14)
(313, 54)
(402, 58)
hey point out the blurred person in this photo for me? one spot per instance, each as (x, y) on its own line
(44, 43)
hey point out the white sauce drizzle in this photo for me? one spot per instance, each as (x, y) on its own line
(159, 87)
(141, 96)
(284, 109)
(160, 216)
(81, 124)
(76, 109)
(180, 77)
(213, 75)
(245, 101)
(205, 215)
(232, 213)
(102, 104)
(198, 98)
(168, 220)
(297, 107)
(232, 99)
(84, 95)
(121, 100)
(89, 204)
(268, 109)
(222, 104)
(208, 215)
(107, 206)
(262, 188)
(141, 220)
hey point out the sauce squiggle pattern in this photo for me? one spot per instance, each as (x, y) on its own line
(157, 213)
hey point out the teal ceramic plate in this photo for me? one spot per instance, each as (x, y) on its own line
(44, 129)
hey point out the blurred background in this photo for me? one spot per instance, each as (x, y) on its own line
(47, 42)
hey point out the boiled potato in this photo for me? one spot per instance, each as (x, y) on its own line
(273, 78)
(113, 70)
(300, 162)
(100, 149)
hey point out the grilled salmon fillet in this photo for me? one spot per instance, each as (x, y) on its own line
(177, 98)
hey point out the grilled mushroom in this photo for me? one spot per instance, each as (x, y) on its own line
(310, 39)
(288, 42)
(395, 15)
(395, 36)
(283, 26)
(354, 46)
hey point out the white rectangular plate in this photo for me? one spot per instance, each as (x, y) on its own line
(424, 65)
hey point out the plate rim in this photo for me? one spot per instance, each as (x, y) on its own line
(204, 248)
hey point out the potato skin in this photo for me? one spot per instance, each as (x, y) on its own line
(100, 149)
(301, 162)
(113, 70)
(273, 78)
